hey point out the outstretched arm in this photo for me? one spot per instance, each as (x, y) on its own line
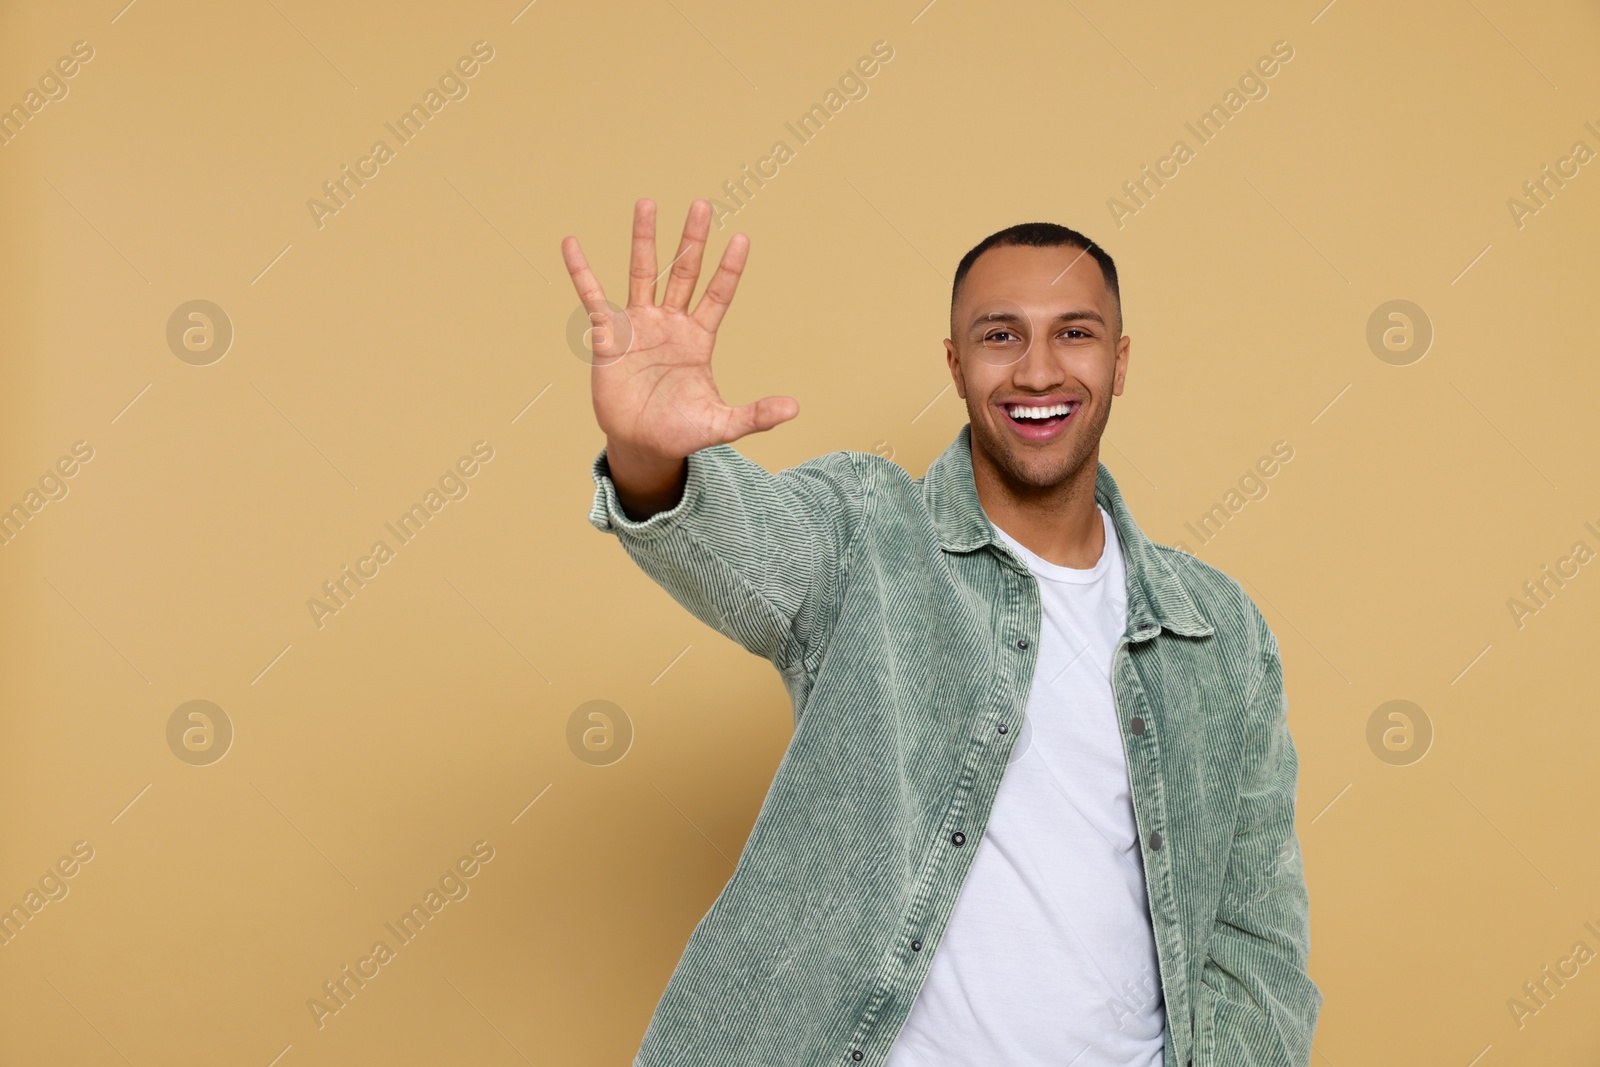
(759, 556)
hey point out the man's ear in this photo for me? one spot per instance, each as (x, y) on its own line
(955, 367)
(1124, 347)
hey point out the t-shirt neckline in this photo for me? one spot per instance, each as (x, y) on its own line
(1055, 572)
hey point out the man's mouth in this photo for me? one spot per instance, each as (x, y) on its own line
(1039, 422)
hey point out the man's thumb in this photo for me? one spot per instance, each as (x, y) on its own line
(762, 414)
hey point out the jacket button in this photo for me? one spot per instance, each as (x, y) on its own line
(916, 946)
(1155, 841)
(1137, 725)
(1002, 728)
(958, 839)
(1023, 644)
(855, 1054)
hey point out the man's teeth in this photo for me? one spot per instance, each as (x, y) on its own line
(1017, 411)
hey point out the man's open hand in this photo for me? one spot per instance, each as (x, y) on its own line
(654, 396)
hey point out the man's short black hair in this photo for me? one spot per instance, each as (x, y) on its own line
(1037, 235)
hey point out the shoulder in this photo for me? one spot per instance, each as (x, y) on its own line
(868, 473)
(1222, 599)
(845, 484)
(866, 464)
(843, 471)
(841, 463)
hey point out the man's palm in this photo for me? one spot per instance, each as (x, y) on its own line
(652, 385)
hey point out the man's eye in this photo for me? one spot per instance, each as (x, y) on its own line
(1074, 330)
(998, 333)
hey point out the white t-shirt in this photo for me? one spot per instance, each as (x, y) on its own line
(1049, 956)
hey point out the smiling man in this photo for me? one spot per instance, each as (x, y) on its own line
(1039, 803)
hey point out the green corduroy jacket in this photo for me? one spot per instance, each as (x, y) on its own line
(906, 634)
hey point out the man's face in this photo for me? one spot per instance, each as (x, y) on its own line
(1035, 328)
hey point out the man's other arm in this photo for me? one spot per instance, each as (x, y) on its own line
(1264, 1004)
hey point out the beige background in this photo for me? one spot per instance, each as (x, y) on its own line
(432, 711)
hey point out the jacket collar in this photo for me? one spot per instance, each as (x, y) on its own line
(1157, 597)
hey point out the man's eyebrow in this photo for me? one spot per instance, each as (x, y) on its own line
(1082, 313)
(1013, 319)
(1009, 317)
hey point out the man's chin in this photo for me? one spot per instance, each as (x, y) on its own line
(1038, 474)
(1036, 469)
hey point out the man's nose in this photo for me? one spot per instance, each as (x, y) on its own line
(1039, 367)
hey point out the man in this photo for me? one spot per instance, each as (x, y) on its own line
(1039, 804)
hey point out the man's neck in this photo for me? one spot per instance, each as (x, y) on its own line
(1060, 524)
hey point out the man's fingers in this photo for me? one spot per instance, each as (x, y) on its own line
(724, 283)
(761, 415)
(642, 262)
(685, 268)
(583, 280)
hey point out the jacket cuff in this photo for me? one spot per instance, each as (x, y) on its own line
(607, 516)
